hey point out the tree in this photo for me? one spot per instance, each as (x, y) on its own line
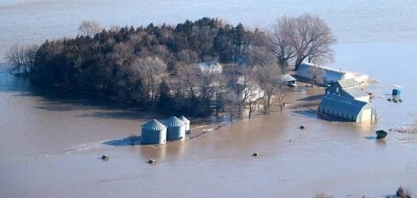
(299, 38)
(317, 75)
(90, 28)
(245, 87)
(151, 71)
(21, 57)
(270, 82)
(268, 74)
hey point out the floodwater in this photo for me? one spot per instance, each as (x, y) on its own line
(51, 141)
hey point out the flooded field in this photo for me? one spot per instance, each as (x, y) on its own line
(51, 142)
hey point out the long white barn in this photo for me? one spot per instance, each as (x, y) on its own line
(331, 75)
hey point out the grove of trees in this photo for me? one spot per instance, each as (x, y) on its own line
(156, 67)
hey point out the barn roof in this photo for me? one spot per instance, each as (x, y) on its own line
(154, 125)
(348, 83)
(356, 92)
(173, 122)
(306, 66)
(341, 104)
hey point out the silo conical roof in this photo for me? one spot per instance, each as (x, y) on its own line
(184, 119)
(154, 125)
(173, 122)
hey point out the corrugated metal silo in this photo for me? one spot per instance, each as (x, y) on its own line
(186, 123)
(175, 128)
(153, 132)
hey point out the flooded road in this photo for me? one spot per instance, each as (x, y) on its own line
(51, 141)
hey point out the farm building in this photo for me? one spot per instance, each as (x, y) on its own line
(349, 109)
(289, 80)
(186, 123)
(153, 132)
(175, 128)
(330, 75)
(210, 67)
(348, 88)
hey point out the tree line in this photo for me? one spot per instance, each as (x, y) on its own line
(159, 67)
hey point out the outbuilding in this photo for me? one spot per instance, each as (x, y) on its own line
(330, 75)
(348, 88)
(175, 128)
(186, 123)
(349, 109)
(153, 132)
(289, 80)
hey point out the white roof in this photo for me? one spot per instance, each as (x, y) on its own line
(184, 119)
(173, 122)
(154, 125)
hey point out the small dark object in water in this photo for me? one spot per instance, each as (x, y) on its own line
(403, 193)
(255, 154)
(104, 157)
(381, 134)
(151, 161)
(302, 127)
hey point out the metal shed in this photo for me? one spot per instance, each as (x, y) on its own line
(347, 109)
(175, 128)
(331, 75)
(186, 123)
(153, 132)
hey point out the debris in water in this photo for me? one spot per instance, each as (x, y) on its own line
(105, 157)
(381, 134)
(255, 154)
(151, 161)
(302, 127)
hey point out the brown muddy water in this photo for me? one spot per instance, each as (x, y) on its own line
(51, 142)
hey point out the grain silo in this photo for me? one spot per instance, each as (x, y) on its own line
(175, 128)
(186, 123)
(153, 132)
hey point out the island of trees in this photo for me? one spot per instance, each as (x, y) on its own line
(170, 68)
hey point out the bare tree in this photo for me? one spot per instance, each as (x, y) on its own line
(90, 28)
(232, 102)
(317, 75)
(270, 82)
(300, 38)
(151, 70)
(21, 57)
(249, 89)
(268, 74)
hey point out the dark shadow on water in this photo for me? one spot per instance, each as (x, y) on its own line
(370, 137)
(129, 141)
(377, 141)
(306, 113)
(312, 98)
(57, 99)
(125, 114)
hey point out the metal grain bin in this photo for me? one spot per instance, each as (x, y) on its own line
(186, 123)
(153, 132)
(175, 128)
